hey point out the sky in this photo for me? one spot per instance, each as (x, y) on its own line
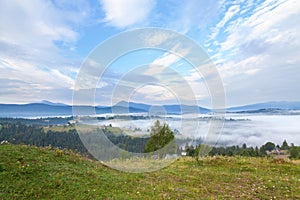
(254, 45)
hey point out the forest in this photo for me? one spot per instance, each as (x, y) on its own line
(30, 133)
(37, 132)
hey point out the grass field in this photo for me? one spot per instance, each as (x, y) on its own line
(82, 127)
(59, 128)
(39, 173)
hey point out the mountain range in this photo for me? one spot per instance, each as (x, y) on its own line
(279, 105)
(47, 108)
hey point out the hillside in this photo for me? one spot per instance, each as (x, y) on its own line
(39, 173)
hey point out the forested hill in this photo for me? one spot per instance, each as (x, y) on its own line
(63, 136)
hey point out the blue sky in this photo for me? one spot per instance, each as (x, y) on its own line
(255, 46)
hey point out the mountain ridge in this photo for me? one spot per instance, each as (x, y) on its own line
(47, 108)
(283, 105)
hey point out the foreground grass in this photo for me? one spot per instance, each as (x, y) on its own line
(38, 173)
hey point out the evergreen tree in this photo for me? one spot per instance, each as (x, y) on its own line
(160, 136)
(294, 152)
(284, 145)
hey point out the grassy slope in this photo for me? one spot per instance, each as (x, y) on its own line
(37, 173)
(62, 128)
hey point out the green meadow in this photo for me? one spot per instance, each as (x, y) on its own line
(29, 172)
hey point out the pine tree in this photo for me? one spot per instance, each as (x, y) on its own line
(160, 136)
(284, 145)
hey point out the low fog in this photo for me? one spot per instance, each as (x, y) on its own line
(252, 129)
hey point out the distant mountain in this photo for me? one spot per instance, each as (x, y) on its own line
(127, 110)
(167, 109)
(140, 106)
(33, 110)
(282, 105)
(52, 104)
(186, 109)
(264, 111)
(49, 109)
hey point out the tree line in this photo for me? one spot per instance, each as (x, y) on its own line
(267, 149)
(18, 132)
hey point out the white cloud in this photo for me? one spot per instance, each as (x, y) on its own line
(159, 64)
(252, 71)
(197, 83)
(156, 37)
(156, 93)
(270, 23)
(233, 10)
(38, 32)
(187, 15)
(35, 40)
(168, 59)
(258, 53)
(120, 13)
(35, 23)
(66, 79)
(24, 71)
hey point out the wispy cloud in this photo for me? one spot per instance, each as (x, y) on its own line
(159, 64)
(122, 14)
(257, 50)
(233, 10)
